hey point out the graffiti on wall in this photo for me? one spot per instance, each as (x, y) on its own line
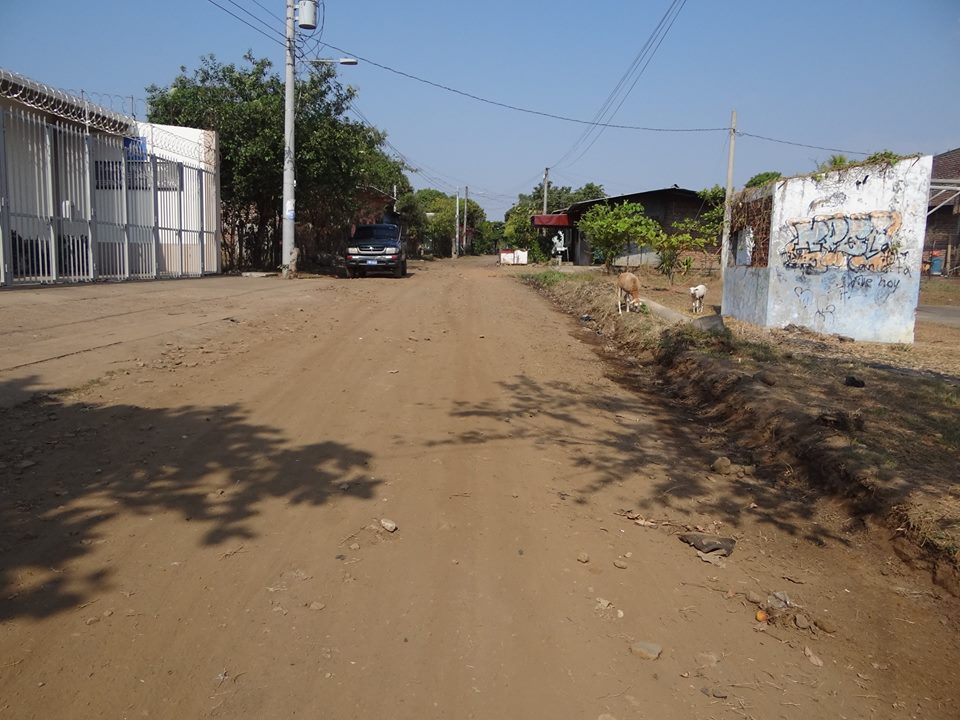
(861, 242)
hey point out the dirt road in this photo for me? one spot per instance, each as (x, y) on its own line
(192, 526)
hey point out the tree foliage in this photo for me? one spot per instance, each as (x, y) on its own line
(519, 233)
(489, 237)
(339, 163)
(761, 179)
(414, 220)
(430, 218)
(672, 249)
(560, 196)
(610, 228)
(884, 157)
(834, 162)
(707, 226)
(702, 232)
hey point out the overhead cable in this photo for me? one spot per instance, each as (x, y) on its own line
(803, 145)
(517, 108)
(260, 20)
(267, 10)
(604, 113)
(248, 24)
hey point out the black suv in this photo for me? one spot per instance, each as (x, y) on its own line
(376, 248)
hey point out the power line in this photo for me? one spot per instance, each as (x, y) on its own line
(249, 25)
(602, 112)
(437, 183)
(636, 79)
(797, 144)
(268, 10)
(257, 18)
(517, 108)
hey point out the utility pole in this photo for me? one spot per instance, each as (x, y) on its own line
(466, 196)
(546, 181)
(727, 210)
(289, 178)
(456, 227)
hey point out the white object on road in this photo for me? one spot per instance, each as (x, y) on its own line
(513, 257)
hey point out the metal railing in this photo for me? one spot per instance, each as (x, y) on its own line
(77, 205)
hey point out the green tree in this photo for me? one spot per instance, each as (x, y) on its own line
(475, 219)
(414, 220)
(704, 230)
(519, 233)
(671, 249)
(489, 237)
(442, 213)
(560, 196)
(336, 158)
(610, 228)
(430, 198)
(440, 230)
(761, 179)
(708, 224)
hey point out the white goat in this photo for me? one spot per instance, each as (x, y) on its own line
(628, 284)
(698, 293)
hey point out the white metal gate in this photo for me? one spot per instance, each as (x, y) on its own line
(81, 206)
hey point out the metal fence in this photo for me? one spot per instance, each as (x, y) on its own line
(78, 205)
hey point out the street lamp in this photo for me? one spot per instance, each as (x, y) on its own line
(307, 21)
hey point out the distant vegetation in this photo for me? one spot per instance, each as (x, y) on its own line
(761, 179)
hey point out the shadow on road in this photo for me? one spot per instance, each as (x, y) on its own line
(69, 468)
(656, 453)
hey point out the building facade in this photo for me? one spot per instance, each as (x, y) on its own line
(88, 194)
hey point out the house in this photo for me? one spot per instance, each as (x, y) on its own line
(837, 252)
(89, 194)
(943, 219)
(666, 206)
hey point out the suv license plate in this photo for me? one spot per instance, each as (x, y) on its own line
(371, 262)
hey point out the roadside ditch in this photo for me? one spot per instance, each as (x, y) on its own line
(884, 439)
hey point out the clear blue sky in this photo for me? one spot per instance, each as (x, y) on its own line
(859, 75)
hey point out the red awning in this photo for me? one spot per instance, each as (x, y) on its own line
(554, 220)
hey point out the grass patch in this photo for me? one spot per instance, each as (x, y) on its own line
(939, 291)
(547, 278)
(928, 408)
(680, 338)
(759, 351)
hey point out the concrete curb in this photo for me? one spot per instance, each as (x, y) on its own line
(707, 323)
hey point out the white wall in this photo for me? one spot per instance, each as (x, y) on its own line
(181, 144)
(844, 256)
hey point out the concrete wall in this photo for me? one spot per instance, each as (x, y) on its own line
(749, 302)
(844, 254)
